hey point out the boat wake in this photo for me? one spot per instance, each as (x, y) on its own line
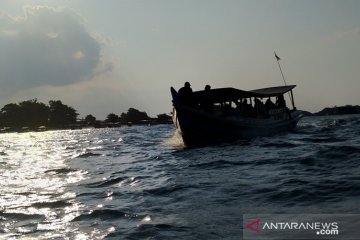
(175, 141)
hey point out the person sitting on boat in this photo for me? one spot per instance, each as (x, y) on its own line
(259, 107)
(186, 95)
(226, 109)
(269, 105)
(206, 102)
(239, 107)
(280, 101)
(246, 109)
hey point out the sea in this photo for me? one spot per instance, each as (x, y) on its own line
(139, 182)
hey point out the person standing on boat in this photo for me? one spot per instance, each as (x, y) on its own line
(186, 95)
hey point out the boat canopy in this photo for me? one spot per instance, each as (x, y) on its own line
(273, 91)
(232, 94)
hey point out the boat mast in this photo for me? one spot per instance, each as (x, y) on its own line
(282, 74)
(278, 61)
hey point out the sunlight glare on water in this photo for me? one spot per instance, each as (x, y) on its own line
(30, 182)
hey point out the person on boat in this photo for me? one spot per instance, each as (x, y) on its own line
(280, 101)
(239, 107)
(269, 105)
(226, 109)
(259, 107)
(206, 101)
(246, 109)
(186, 95)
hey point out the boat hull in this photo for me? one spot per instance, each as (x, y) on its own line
(198, 128)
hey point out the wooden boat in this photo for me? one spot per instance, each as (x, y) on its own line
(230, 115)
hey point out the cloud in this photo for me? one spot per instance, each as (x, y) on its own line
(47, 46)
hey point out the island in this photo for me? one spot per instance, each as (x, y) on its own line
(33, 115)
(342, 110)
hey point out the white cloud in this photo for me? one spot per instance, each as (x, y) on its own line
(47, 46)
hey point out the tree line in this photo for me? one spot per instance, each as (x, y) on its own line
(56, 115)
(33, 114)
(132, 116)
(135, 116)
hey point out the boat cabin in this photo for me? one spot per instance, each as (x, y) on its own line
(234, 103)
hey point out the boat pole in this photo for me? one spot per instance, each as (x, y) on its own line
(292, 100)
(278, 61)
(282, 74)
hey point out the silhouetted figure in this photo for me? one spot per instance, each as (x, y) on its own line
(280, 101)
(186, 95)
(206, 101)
(226, 109)
(260, 107)
(246, 109)
(239, 107)
(269, 105)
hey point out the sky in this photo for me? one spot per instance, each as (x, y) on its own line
(106, 56)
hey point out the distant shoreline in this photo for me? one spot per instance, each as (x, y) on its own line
(82, 124)
(330, 111)
(34, 116)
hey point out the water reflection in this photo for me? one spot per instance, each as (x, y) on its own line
(33, 182)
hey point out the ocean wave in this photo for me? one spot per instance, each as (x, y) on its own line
(105, 182)
(53, 205)
(167, 190)
(157, 231)
(61, 170)
(19, 217)
(3, 153)
(280, 144)
(217, 164)
(338, 152)
(104, 214)
(88, 154)
(323, 139)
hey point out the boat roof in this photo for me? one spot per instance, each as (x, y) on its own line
(233, 94)
(274, 91)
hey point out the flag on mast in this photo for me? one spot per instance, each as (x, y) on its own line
(277, 57)
(282, 74)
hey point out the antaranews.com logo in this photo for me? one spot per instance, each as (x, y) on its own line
(321, 228)
(309, 226)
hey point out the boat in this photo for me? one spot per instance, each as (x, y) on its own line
(234, 114)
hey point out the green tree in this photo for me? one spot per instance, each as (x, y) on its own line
(11, 115)
(163, 118)
(134, 115)
(33, 113)
(90, 119)
(61, 114)
(112, 117)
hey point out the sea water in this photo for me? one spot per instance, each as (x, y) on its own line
(140, 183)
